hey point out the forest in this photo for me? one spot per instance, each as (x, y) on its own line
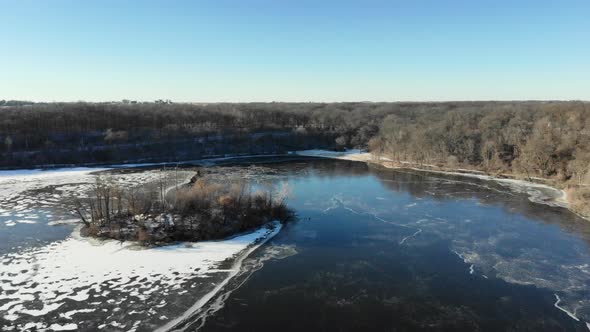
(93, 133)
(534, 139)
(537, 141)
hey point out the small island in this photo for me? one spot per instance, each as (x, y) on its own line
(203, 209)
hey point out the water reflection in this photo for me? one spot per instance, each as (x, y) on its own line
(402, 250)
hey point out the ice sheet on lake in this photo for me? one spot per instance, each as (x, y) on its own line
(36, 282)
(23, 192)
(511, 251)
(508, 253)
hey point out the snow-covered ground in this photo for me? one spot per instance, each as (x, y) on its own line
(38, 281)
(27, 195)
(352, 154)
(53, 286)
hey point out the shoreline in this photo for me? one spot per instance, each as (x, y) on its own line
(235, 269)
(559, 200)
(158, 268)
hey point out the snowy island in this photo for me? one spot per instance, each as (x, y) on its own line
(205, 208)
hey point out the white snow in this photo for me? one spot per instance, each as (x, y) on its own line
(536, 192)
(63, 222)
(65, 327)
(352, 154)
(69, 314)
(556, 304)
(235, 269)
(73, 266)
(24, 221)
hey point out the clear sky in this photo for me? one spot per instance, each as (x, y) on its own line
(294, 50)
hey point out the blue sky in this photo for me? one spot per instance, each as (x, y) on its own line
(282, 50)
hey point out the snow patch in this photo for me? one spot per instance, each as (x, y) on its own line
(235, 269)
(64, 222)
(352, 154)
(69, 269)
(64, 327)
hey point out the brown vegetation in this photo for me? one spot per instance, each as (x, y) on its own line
(529, 138)
(539, 140)
(579, 198)
(198, 211)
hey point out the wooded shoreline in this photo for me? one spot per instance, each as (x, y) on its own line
(532, 139)
(577, 207)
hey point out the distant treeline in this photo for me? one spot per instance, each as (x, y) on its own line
(549, 139)
(538, 139)
(74, 133)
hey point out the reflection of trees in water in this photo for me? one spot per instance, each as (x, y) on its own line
(434, 186)
(321, 167)
(445, 187)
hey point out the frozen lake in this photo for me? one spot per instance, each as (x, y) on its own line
(373, 250)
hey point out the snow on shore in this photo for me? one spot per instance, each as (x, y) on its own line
(235, 269)
(353, 154)
(537, 193)
(36, 282)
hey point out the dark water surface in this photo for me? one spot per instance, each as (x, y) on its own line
(372, 250)
(384, 250)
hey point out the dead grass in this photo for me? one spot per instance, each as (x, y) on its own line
(579, 199)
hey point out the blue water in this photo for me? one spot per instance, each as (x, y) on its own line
(385, 250)
(377, 250)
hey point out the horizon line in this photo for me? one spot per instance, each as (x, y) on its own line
(125, 100)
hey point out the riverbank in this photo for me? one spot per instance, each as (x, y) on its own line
(542, 193)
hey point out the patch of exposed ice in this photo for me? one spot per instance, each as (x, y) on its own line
(529, 266)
